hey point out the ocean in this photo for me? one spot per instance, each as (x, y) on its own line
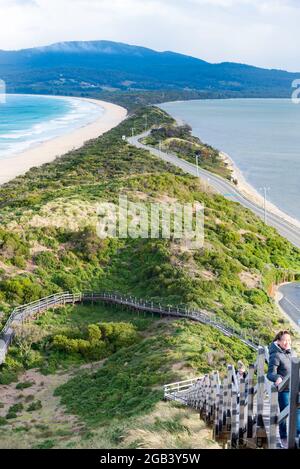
(27, 120)
(262, 136)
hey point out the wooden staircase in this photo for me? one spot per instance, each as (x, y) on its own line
(242, 413)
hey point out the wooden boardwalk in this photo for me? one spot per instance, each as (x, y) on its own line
(24, 313)
(243, 414)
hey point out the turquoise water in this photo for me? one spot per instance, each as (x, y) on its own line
(26, 121)
(261, 135)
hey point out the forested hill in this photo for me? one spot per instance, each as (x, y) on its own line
(104, 66)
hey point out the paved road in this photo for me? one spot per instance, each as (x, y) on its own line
(290, 301)
(227, 189)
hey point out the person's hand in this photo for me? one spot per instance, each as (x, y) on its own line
(278, 381)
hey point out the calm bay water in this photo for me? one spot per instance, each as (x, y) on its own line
(26, 120)
(261, 135)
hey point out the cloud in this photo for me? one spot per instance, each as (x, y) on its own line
(21, 3)
(260, 32)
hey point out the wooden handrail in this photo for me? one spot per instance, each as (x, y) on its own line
(217, 401)
(30, 310)
(226, 406)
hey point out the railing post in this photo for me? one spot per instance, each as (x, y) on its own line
(294, 403)
(234, 420)
(199, 395)
(216, 417)
(250, 400)
(225, 394)
(260, 430)
(207, 394)
(211, 378)
(221, 410)
(214, 395)
(242, 412)
(229, 397)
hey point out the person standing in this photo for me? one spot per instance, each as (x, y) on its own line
(280, 367)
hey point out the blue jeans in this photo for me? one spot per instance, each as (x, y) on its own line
(283, 401)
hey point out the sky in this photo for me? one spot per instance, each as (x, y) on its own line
(258, 32)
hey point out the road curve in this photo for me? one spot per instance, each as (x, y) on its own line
(225, 188)
(290, 301)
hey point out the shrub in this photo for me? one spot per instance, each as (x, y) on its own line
(19, 261)
(257, 297)
(2, 421)
(47, 444)
(8, 376)
(16, 408)
(34, 406)
(21, 289)
(29, 398)
(12, 245)
(46, 259)
(26, 384)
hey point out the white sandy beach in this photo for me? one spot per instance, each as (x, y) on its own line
(47, 151)
(246, 189)
(250, 193)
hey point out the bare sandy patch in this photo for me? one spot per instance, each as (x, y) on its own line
(51, 421)
(72, 214)
(11, 269)
(207, 275)
(166, 199)
(249, 279)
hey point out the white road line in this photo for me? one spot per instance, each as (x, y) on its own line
(291, 303)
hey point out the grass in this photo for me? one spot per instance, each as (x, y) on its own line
(178, 140)
(48, 243)
(130, 381)
(111, 402)
(72, 323)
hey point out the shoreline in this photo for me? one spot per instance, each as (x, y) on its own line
(244, 187)
(251, 193)
(47, 151)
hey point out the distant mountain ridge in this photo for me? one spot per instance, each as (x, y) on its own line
(106, 65)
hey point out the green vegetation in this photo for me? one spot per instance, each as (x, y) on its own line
(113, 361)
(130, 381)
(110, 397)
(48, 224)
(3, 421)
(37, 405)
(47, 444)
(102, 340)
(71, 337)
(178, 139)
(114, 70)
(14, 410)
(25, 385)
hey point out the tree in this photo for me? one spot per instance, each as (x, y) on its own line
(25, 336)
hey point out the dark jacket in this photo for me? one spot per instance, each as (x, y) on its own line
(279, 362)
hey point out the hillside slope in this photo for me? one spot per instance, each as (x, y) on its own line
(104, 66)
(48, 243)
